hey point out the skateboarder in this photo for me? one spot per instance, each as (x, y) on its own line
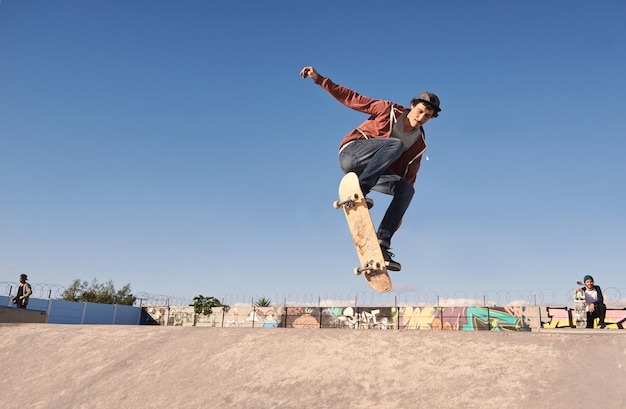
(385, 150)
(595, 302)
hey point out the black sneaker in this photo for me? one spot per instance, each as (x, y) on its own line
(389, 262)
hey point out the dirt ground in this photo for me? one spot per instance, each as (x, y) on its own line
(80, 366)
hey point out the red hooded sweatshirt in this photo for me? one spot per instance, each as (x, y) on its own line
(383, 115)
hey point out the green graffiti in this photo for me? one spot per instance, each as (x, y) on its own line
(491, 319)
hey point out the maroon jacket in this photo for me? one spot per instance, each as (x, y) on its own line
(383, 115)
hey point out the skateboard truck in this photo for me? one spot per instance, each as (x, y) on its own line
(346, 203)
(368, 267)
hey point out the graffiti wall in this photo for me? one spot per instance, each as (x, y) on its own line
(412, 318)
(377, 318)
(221, 317)
(563, 317)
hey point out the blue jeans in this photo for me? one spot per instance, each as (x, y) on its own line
(371, 159)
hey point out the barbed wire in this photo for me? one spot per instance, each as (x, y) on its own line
(541, 297)
(40, 290)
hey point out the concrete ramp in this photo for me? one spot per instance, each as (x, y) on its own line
(72, 366)
(14, 315)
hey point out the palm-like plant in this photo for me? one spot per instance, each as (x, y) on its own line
(263, 302)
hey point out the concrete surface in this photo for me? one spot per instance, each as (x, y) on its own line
(14, 315)
(74, 366)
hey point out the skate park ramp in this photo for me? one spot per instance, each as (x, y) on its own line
(92, 366)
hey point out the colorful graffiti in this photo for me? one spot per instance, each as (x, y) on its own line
(412, 318)
(562, 317)
(464, 318)
(380, 318)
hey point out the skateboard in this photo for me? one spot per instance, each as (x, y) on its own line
(580, 306)
(352, 201)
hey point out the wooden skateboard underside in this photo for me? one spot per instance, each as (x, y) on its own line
(361, 227)
(580, 308)
(580, 313)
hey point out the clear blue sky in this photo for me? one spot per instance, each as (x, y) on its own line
(173, 146)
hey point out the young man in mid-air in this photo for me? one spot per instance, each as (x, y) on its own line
(385, 151)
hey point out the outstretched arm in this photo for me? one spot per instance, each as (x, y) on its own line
(310, 72)
(346, 96)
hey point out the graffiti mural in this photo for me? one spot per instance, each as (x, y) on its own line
(236, 317)
(510, 318)
(303, 317)
(561, 317)
(411, 318)
(615, 318)
(359, 318)
(493, 319)
(464, 318)
(558, 317)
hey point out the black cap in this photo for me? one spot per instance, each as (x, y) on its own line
(430, 98)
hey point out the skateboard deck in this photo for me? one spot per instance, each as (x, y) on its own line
(580, 308)
(359, 220)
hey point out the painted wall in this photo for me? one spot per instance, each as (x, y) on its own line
(234, 317)
(415, 318)
(562, 317)
(381, 318)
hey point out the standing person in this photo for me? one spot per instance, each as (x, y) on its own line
(595, 302)
(385, 151)
(23, 292)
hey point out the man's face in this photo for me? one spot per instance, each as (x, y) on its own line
(419, 115)
(589, 283)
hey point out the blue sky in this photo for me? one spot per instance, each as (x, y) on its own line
(173, 146)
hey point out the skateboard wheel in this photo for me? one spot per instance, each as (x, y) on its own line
(336, 204)
(357, 271)
(377, 266)
(355, 196)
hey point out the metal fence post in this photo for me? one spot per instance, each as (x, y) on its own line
(82, 319)
(253, 311)
(395, 305)
(114, 312)
(319, 308)
(49, 309)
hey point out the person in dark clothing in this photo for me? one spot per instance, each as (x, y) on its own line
(23, 292)
(595, 302)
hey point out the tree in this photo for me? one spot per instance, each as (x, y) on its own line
(263, 302)
(101, 293)
(204, 305)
